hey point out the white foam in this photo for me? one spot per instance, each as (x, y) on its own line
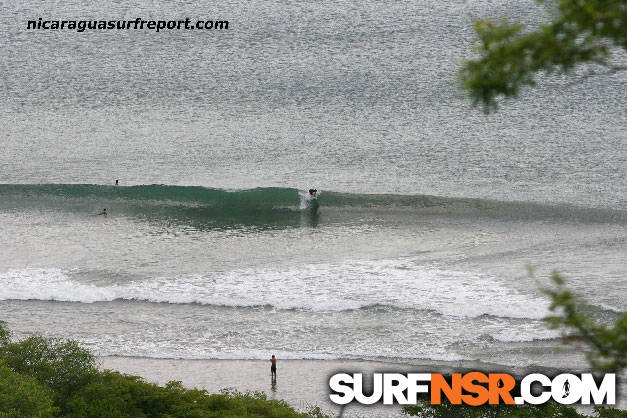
(50, 284)
(525, 333)
(315, 287)
(305, 199)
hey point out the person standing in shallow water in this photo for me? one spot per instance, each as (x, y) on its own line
(273, 367)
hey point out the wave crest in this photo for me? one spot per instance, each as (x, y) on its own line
(269, 202)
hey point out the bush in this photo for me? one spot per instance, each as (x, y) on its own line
(549, 410)
(112, 394)
(23, 396)
(61, 365)
(5, 334)
(603, 412)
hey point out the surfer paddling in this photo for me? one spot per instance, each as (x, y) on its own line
(103, 213)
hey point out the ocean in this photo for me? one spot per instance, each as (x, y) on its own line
(430, 212)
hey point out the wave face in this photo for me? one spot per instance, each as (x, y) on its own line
(270, 197)
(271, 203)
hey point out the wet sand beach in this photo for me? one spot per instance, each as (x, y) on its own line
(302, 383)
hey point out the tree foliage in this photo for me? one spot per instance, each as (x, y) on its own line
(608, 344)
(24, 396)
(61, 365)
(448, 410)
(112, 394)
(581, 31)
(547, 410)
(5, 334)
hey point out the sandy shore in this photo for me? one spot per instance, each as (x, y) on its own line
(302, 383)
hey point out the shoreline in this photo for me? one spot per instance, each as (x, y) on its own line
(301, 383)
(441, 365)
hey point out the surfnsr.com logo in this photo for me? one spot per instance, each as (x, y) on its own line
(473, 388)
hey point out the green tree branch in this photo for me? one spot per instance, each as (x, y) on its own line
(510, 57)
(608, 344)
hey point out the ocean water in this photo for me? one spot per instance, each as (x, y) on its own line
(430, 212)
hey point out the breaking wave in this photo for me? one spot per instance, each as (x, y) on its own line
(265, 204)
(371, 287)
